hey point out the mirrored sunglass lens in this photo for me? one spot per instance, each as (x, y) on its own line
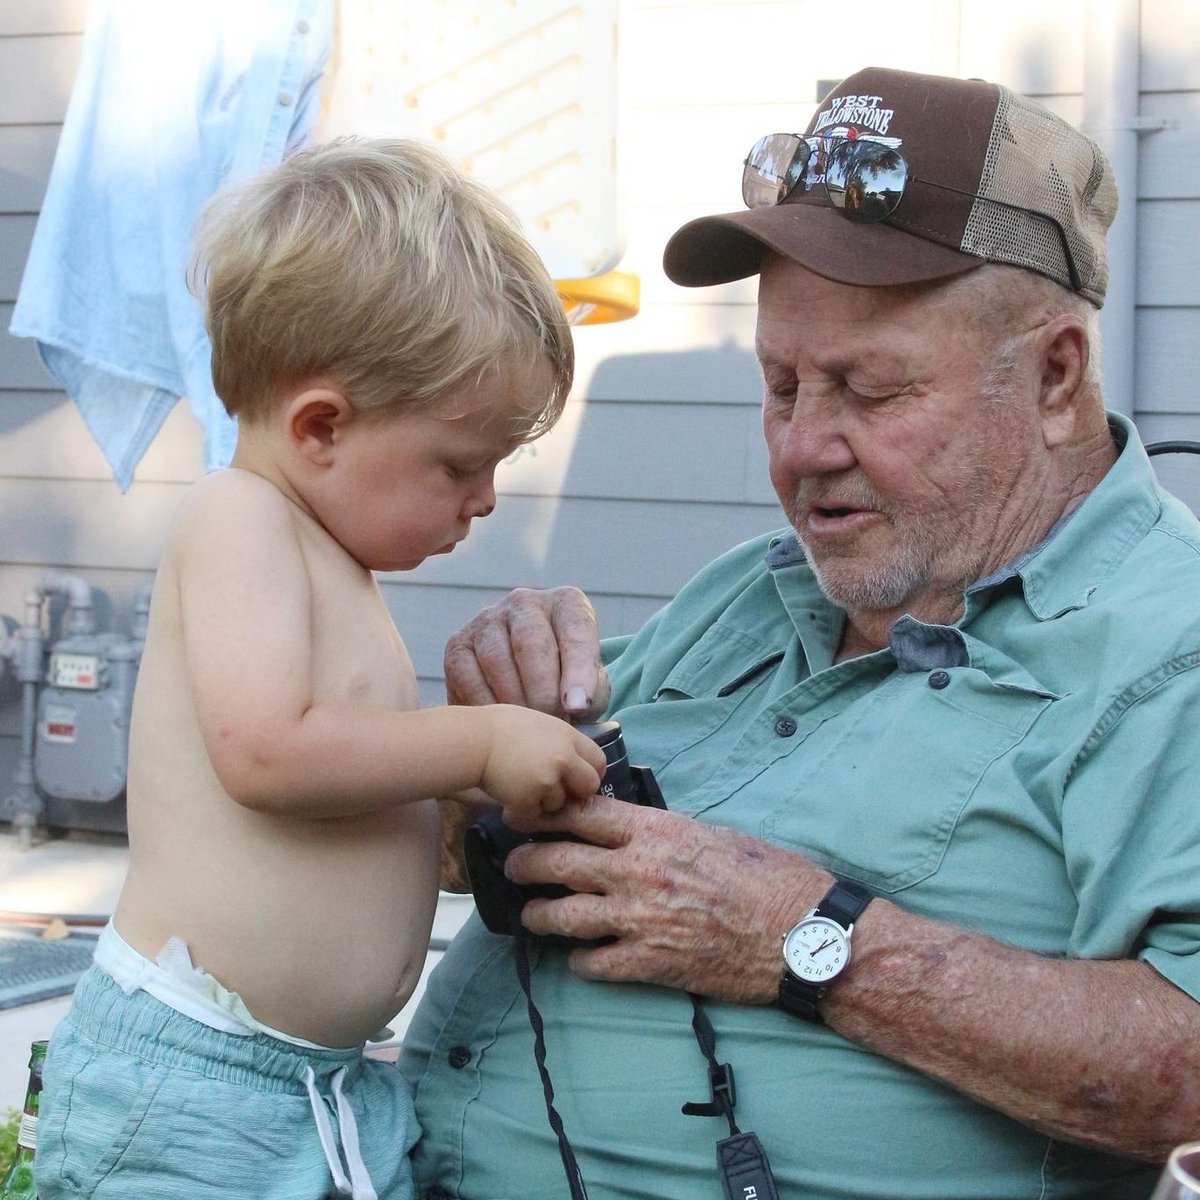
(865, 180)
(839, 161)
(773, 167)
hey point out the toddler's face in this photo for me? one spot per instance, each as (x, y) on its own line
(409, 485)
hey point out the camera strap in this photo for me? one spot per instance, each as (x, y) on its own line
(570, 1164)
(742, 1162)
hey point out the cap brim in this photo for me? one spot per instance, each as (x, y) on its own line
(722, 248)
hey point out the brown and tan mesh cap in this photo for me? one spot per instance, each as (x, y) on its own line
(1011, 157)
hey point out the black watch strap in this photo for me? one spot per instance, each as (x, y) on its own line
(798, 998)
(843, 903)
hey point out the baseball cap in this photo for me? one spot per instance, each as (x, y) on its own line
(983, 163)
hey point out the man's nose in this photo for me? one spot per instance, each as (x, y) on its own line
(813, 443)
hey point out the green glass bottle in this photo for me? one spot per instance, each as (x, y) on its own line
(18, 1182)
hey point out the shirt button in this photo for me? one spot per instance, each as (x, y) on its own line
(939, 679)
(285, 98)
(301, 26)
(785, 726)
(459, 1056)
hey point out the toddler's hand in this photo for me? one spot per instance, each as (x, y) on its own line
(538, 762)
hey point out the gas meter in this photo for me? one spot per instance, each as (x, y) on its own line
(83, 717)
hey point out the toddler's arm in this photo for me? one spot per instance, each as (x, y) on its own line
(275, 739)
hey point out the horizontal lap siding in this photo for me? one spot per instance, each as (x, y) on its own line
(24, 17)
(37, 72)
(1168, 284)
(658, 464)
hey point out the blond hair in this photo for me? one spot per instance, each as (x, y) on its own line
(377, 262)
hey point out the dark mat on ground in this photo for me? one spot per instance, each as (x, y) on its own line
(34, 968)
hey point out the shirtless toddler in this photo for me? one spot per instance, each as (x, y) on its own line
(386, 338)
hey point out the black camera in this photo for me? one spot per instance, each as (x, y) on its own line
(488, 841)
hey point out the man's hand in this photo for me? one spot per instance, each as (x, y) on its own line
(1101, 1053)
(539, 649)
(692, 906)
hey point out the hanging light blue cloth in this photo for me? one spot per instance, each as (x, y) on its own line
(171, 100)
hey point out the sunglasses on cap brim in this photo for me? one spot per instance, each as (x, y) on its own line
(864, 179)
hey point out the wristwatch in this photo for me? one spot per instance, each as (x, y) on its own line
(816, 950)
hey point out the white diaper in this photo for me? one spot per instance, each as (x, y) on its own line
(187, 989)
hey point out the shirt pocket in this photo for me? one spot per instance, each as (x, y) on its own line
(890, 780)
(694, 703)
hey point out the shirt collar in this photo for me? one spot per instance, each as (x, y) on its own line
(1087, 544)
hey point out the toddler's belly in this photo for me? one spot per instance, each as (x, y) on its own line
(321, 927)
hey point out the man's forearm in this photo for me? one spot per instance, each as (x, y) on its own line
(457, 812)
(1102, 1053)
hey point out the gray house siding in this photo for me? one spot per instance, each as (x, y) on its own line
(658, 464)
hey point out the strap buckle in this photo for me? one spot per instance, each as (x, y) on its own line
(722, 1093)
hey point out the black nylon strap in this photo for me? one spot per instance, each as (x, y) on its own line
(844, 903)
(798, 997)
(722, 1095)
(744, 1170)
(741, 1160)
(570, 1164)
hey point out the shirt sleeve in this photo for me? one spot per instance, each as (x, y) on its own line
(1131, 827)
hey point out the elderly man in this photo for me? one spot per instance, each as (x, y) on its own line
(941, 733)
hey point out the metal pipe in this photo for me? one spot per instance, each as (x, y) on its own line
(79, 598)
(26, 806)
(141, 613)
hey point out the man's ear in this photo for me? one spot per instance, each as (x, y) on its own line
(1063, 344)
(314, 420)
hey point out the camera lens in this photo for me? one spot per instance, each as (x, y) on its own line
(617, 781)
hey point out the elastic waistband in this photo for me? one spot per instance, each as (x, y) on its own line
(138, 1024)
(179, 985)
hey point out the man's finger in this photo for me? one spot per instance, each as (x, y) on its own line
(598, 820)
(580, 915)
(494, 654)
(613, 963)
(584, 686)
(573, 864)
(465, 680)
(534, 650)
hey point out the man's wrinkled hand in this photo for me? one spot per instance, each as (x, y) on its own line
(691, 906)
(538, 649)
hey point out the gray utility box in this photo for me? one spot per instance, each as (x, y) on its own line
(82, 741)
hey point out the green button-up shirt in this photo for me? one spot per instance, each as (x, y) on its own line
(1029, 772)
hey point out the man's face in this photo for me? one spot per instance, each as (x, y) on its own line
(903, 482)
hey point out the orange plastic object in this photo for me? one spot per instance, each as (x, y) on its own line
(599, 299)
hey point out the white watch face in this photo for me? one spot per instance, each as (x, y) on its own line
(817, 950)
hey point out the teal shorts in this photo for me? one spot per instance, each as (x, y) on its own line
(141, 1101)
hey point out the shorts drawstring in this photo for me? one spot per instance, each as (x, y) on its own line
(358, 1186)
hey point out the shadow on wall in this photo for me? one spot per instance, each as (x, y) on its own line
(719, 370)
(675, 426)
